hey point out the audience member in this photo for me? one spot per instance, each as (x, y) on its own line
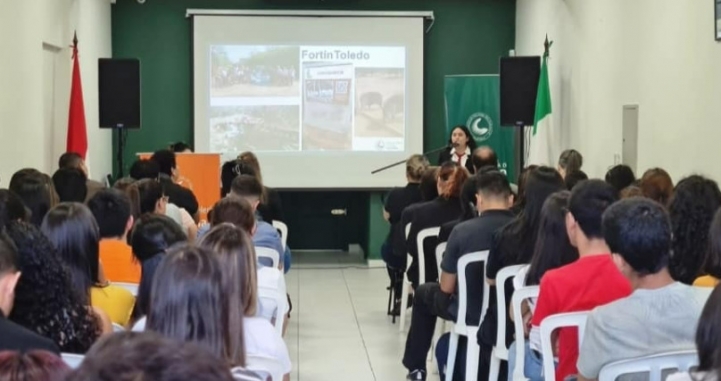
(34, 191)
(446, 207)
(11, 208)
(396, 201)
(233, 248)
(152, 199)
(34, 365)
(229, 171)
(569, 161)
(620, 176)
(178, 195)
(45, 301)
(429, 192)
(519, 201)
(129, 187)
(575, 177)
(433, 299)
(484, 156)
(135, 356)
(553, 250)
(711, 270)
(591, 281)
(14, 336)
(693, 205)
(657, 185)
(111, 209)
(71, 160)
(73, 231)
(270, 207)
(460, 147)
(631, 191)
(70, 183)
(181, 147)
(659, 315)
(151, 237)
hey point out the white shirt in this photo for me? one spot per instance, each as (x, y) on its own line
(272, 279)
(463, 159)
(262, 339)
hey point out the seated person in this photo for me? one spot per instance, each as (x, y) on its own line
(71, 160)
(660, 315)
(591, 281)
(111, 209)
(33, 365)
(432, 299)
(177, 194)
(70, 183)
(270, 207)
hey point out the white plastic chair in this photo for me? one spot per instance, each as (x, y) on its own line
(461, 328)
(500, 350)
(72, 360)
(265, 366)
(132, 287)
(264, 252)
(654, 365)
(440, 250)
(552, 323)
(519, 296)
(440, 323)
(422, 235)
(283, 230)
(276, 299)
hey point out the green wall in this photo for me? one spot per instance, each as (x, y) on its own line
(467, 38)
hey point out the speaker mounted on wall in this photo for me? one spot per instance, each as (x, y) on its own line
(119, 93)
(519, 86)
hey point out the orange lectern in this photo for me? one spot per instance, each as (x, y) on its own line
(199, 172)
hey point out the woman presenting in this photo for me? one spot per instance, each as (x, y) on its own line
(460, 148)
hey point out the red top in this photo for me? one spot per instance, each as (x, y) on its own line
(580, 286)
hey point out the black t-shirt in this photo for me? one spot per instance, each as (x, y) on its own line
(180, 196)
(18, 338)
(397, 201)
(272, 210)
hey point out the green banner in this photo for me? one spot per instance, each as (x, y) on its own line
(474, 101)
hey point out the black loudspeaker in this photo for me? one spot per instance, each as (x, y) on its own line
(519, 85)
(119, 93)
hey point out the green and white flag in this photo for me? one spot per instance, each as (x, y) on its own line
(540, 148)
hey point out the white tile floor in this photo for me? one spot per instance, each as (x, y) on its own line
(339, 329)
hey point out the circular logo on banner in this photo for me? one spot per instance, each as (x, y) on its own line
(481, 126)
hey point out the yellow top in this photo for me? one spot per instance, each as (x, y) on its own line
(115, 301)
(706, 281)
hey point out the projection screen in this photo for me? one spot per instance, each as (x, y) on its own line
(322, 101)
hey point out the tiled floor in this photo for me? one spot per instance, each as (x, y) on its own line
(339, 329)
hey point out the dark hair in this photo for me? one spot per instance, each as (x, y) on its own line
(451, 177)
(518, 238)
(480, 160)
(620, 177)
(471, 141)
(33, 190)
(229, 171)
(429, 184)
(165, 159)
(493, 184)
(575, 177)
(70, 160)
(639, 230)
(570, 160)
(134, 356)
(73, 231)
(111, 209)
(188, 303)
(692, 207)
(180, 147)
(45, 301)
(234, 210)
(712, 258)
(71, 184)
(520, 200)
(144, 169)
(11, 208)
(246, 186)
(128, 186)
(149, 192)
(152, 235)
(251, 160)
(589, 199)
(8, 255)
(35, 365)
(657, 185)
(708, 335)
(553, 248)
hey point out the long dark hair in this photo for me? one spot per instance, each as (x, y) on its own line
(708, 335)
(32, 188)
(11, 208)
(471, 141)
(188, 303)
(692, 208)
(521, 233)
(553, 248)
(71, 227)
(712, 261)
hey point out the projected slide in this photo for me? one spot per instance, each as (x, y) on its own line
(307, 98)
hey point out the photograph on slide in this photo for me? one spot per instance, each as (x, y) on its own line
(254, 71)
(327, 106)
(254, 128)
(379, 103)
